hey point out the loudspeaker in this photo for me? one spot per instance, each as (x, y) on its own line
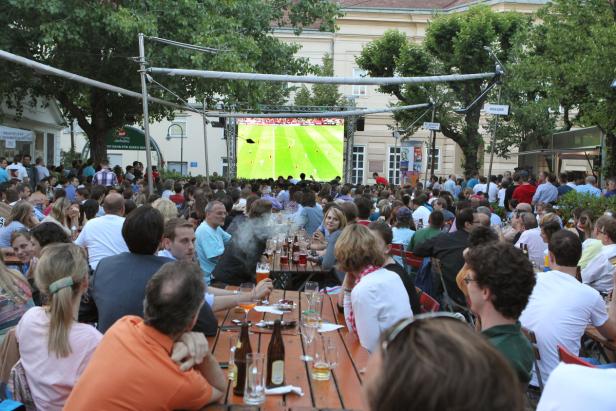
(359, 124)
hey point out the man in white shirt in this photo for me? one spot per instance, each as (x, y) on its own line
(17, 170)
(560, 307)
(102, 236)
(599, 272)
(421, 213)
(481, 186)
(531, 236)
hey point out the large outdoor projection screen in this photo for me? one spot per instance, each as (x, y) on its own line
(272, 147)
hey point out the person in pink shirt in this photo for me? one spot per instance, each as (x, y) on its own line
(54, 348)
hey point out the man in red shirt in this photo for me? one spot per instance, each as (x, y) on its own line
(380, 180)
(524, 192)
(178, 197)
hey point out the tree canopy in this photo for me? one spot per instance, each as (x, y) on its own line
(321, 94)
(98, 39)
(453, 44)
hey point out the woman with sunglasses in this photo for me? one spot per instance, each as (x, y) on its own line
(374, 297)
(436, 362)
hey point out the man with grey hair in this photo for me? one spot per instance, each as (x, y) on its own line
(589, 188)
(531, 236)
(494, 218)
(211, 238)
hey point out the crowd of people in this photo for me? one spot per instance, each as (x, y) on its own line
(108, 289)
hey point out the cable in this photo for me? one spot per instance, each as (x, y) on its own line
(349, 113)
(185, 45)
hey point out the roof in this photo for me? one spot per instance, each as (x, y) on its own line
(401, 4)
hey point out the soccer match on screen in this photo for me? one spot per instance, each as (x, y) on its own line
(269, 147)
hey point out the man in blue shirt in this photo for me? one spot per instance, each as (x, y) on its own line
(564, 187)
(450, 184)
(546, 191)
(474, 180)
(589, 187)
(211, 238)
(4, 175)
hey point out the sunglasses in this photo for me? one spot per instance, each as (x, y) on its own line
(403, 325)
(467, 280)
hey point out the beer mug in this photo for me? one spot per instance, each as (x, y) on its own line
(254, 390)
(325, 358)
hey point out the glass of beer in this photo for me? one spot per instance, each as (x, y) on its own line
(263, 272)
(325, 358)
(284, 258)
(250, 304)
(303, 258)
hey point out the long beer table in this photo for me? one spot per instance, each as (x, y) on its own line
(342, 391)
(292, 276)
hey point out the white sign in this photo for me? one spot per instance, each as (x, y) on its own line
(432, 126)
(10, 143)
(496, 109)
(15, 134)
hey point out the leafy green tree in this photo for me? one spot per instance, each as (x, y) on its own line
(454, 44)
(98, 39)
(322, 94)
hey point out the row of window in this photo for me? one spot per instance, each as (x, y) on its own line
(393, 166)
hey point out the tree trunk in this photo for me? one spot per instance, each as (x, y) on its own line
(610, 155)
(98, 146)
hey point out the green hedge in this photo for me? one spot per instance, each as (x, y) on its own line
(598, 205)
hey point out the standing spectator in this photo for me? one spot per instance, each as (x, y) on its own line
(525, 191)
(54, 348)
(311, 216)
(560, 307)
(119, 281)
(4, 175)
(129, 173)
(374, 297)
(17, 170)
(564, 186)
(178, 197)
(137, 353)
(102, 236)
(546, 191)
(211, 238)
(31, 170)
(499, 281)
(380, 180)
(589, 188)
(105, 177)
(71, 188)
(41, 171)
(473, 180)
(88, 170)
(450, 184)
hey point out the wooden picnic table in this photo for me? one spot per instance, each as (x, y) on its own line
(292, 276)
(342, 391)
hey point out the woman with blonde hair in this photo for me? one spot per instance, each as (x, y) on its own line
(166, 207)
(15, 298)
(64, 214)
(54, 347)
(333, 224)
(374, 297)
(21, 218)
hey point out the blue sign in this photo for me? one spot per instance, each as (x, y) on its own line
(193, 164)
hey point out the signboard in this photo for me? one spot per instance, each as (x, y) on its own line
(431, 126)
(193, 164)
(15, 134)
(127, 138)
(496, 109)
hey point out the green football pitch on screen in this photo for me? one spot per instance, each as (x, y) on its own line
(290, 149)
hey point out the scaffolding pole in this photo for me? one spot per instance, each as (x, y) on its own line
(146, 118)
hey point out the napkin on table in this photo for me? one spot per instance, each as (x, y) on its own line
(285, 389)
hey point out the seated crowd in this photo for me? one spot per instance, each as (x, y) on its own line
(107, 290)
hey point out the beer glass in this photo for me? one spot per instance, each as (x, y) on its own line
(254, 391)
(325, 358)
(250, 304)
(309, 326)
(262, 273)
(310, 288)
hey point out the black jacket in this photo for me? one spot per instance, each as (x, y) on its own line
(448, 248)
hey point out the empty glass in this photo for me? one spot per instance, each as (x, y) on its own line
(254, 391)
(310, 288)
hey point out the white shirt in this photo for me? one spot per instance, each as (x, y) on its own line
(599, 273)
(575, 387)
(536, 245)
(501, 197)
(558, 311)
(379, 301)
(41, 172)
(50, 378)
(102, 236)
(18, 171)
(422, 213)
(479, 187)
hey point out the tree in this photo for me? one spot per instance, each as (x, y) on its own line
(322, 94)
(454, 44)
(98, 39)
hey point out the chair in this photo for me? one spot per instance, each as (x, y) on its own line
(449, 303)
(396, 249)
(530, 334)
(427, 304)
(412, 260)
(18, 384)
(568, 358)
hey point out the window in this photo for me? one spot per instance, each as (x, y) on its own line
(359, 90)
(394, 165)
(178, 167)
(51, 149)
(357, 172)
(437, 158)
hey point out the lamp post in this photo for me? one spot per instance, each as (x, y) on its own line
(169, 137)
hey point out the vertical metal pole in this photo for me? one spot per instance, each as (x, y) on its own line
(207, 164)
(395, 155)
(433, 142)
(146, 117)
(181, 151)
(492, 145)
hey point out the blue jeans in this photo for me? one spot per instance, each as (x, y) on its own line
(599, 364)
